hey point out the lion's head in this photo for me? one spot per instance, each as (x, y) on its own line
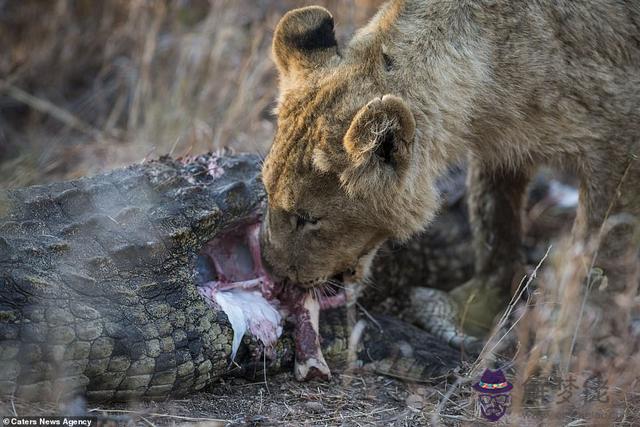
(343, 174)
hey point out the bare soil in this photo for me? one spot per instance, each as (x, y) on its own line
(350, 399)
(362, 398)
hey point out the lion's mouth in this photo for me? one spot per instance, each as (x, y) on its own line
(232, 278)
(332, 293)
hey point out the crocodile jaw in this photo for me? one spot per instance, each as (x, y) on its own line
(241, 287)
(255, 303)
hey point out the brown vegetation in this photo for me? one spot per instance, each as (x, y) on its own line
(87, 86)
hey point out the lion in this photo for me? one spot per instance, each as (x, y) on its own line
(365, 130)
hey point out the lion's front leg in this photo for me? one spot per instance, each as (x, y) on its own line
(496, 200)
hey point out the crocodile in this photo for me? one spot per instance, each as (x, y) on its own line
(100, 294)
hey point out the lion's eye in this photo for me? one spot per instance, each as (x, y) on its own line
(302, 220)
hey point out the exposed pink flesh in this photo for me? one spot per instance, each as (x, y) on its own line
(334, 301)
(309, 363)
(243, 290)
(238, 264)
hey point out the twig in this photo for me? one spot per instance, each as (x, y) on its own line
(516, 297)
(155, 414)
(361, 414)
(459, 418)
(366, 313)
(446, 398)
(147, 421)
(51, 109)
(264, 370)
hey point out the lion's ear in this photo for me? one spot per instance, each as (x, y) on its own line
(378, 145)
(304, 39)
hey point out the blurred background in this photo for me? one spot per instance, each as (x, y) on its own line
(90, 85)
(87, 85)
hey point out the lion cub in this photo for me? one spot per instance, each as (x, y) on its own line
(365, 130)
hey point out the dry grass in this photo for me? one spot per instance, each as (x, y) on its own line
(87, 86)
(549, 344)
(95, 85)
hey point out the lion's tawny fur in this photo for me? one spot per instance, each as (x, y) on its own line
(365, 130)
